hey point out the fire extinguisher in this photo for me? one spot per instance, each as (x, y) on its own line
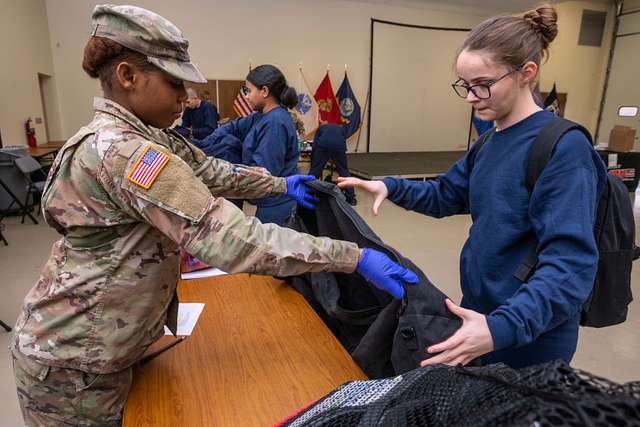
(31, 133)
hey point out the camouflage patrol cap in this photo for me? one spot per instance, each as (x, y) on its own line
(148, 33)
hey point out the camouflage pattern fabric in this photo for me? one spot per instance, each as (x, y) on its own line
(148, 33)
(51, 396)
(103, 295)
(298, 124)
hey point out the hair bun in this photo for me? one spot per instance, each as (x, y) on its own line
(289, 97)
(544, 20)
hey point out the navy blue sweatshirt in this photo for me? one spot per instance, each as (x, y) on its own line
(202, 121)
(538, 320)
(268, 140)
(330, 137)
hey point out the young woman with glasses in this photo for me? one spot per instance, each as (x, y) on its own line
(504, 319)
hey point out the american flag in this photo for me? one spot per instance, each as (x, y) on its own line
(148, 167)
(241, 106)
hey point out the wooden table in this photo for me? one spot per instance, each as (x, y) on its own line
(50, 148)
(257, 353)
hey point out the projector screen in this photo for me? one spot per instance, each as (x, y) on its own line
(412, 105)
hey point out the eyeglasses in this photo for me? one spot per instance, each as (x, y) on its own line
(481, 91)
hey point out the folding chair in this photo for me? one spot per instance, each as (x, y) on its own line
(28, 166)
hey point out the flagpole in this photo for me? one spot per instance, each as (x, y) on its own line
(366, 104)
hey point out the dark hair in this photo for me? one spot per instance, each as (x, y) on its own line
(271, 77)
(102, 55)
(516, 40)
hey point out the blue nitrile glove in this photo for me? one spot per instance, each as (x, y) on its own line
(301, 193)
(383, 273)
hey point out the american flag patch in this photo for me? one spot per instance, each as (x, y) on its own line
(146, 170)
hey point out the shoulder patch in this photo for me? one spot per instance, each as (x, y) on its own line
(145, 171)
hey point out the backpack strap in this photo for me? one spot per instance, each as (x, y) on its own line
(475, 148)
(544, 145)
(541, 152)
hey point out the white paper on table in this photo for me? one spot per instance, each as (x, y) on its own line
(188, 314)
(207, 272)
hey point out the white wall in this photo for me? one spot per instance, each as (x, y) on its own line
(578, 70)
(225, 35)
(25, 47)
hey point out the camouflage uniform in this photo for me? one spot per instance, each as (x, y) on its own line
(103, 296)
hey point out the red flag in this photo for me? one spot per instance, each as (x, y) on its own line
(327, 102)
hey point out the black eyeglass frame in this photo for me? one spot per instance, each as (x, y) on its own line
(470, 88)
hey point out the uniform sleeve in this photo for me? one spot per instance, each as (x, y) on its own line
(212, 229)
(223, 178)
(562, 210)
(271, 148)
(209, 125)
(444, 196)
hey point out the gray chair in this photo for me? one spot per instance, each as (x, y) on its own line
(29, 168)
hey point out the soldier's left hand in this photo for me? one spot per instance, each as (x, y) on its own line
(300, 192)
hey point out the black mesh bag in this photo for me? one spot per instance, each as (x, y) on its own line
(551, 394)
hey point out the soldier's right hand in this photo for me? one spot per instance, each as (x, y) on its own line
(379, 270)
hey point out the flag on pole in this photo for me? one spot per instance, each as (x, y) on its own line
(241, 106)
(307, 107)
(327, 102)
(349, 107)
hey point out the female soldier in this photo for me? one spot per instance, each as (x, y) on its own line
(126, 197)
(505, 319)
(268, 136)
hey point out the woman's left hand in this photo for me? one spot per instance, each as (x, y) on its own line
(472, 340)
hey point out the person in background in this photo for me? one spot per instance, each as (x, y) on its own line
(205, 95)
(267, 137)
(298, 125)
(506, 319)
(199, 118)
(330, 143)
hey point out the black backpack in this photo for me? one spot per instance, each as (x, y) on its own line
(614, 231)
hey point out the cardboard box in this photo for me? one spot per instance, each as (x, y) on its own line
(622, 138)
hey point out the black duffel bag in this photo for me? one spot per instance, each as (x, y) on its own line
(383, 335)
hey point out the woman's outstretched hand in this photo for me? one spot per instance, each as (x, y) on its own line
(376, 188)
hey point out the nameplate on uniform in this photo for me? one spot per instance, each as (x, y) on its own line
(148, 167)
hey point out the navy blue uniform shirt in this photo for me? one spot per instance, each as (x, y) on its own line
(538, 320)
(268, 140)
(330, 137)
(202, 121)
